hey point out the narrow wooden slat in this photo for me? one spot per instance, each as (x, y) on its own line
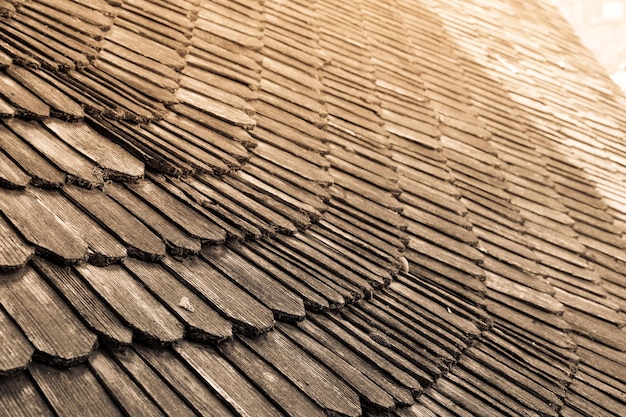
(206, 120)
(116, 161)
(16, 350)
(146, 47)
(74, 391)
(235, 212)
(92, 310)
(341, 273)
(143, 313)
(141, 89)
(284, 303)
(311, 299)
(226, 381)
(203, 322)
(103, 248)
(57, 335)
(121, 387)
(139, 71)
(14, 252)
(215, 108)
(178, 242)
(155, 386)
(185, 382)
(235, 229)
(11, 175)
(191, 149)
(60, 104)
(162, 16)
(293, 401)
(140, 240)
(206, 90)
(247, 314)
(223, 29)
(372, 395)
(180, 213)
(41, 228)
(241, 203)
(365, 347)
(42, 172)
(79, 168)
(316, 381)
(19, 397)
(312, 271)
(20, 97)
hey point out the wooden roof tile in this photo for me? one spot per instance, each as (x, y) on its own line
(141, 311)
(125, 392)
(277, 387)
(247, 314)
(184, 381)
(149, 380)
(233, 388)
(45, 319)
(323, 387)
(117, 163)
(347, 105)
(83, 299)
(140, 241)
(19, 350)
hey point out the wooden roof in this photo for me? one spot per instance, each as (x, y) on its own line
(237, 207)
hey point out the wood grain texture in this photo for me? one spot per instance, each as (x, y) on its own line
(20, 97)
(116, 219)
(152, 383)
(59, 103)
(202, 322)
(57, 335)
(216, 108)
(371, 394)
(177, 241)
(315, 380)
(11, 175)
(246, 313)
(192, 222)
(16, 350)
(37, 225)
(254, 254)
(139, 309)
(284, 303)
(148, 48)
(74, 391)
(79, 169)
(116, 161)
(14, 251)
(103, 248)
(43, 173)
(20, 397)
(130, 398)
(293, 401)
(226, 381)
(77, 293)
(185, 382)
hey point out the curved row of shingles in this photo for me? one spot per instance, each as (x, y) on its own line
(593, 312)
(442, 280)
(155, 316)
(78, 224)
(576, 279)
(393, 337)
(519, 298)
(151, 322)
(333, 258)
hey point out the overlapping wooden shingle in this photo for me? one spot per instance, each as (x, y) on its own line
(304, 208)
